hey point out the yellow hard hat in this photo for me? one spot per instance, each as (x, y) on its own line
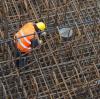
(41, 26)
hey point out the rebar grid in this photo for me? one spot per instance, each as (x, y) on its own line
(58, 70)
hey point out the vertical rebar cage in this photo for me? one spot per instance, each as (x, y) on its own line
(59, 69)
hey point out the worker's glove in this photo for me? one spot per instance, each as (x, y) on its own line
(40, 42)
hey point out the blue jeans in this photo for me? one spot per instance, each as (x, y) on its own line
(22, 61)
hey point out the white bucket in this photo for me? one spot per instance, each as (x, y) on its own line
(65, 32)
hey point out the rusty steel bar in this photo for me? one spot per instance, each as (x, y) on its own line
(59, 69)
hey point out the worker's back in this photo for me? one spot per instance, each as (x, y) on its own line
(24, 43)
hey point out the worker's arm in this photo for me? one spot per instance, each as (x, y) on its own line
(36, 42)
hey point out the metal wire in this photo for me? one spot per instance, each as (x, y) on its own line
(57, 70)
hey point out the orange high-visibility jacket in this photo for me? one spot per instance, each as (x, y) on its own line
(24, 43)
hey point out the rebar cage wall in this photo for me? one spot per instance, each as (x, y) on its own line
(58, 70)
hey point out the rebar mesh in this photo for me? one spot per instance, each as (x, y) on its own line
(59, 69)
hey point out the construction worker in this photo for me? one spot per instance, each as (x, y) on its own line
(28, 36)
